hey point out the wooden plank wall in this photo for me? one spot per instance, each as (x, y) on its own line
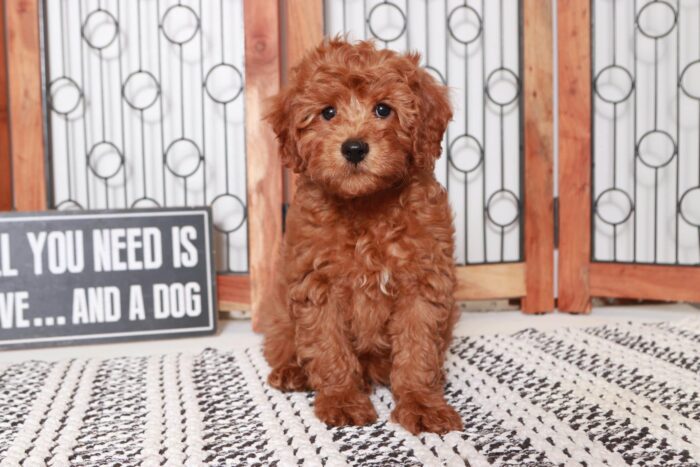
(574, 24)
(25, 110)
(539, 157)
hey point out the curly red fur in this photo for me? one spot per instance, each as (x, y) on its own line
(367, 283)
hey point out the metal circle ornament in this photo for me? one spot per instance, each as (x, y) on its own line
(464, 15)
(656, 149)
(145, 202)
(509, 211)
(100, 29)
(465, 153)
(614, 206)
(689, 206)
(656, 12)
(435, 73)
(223, 83)
(689, 82)
(502, 86)
(614, 84)
(64, 95)
(180, 24)
(105, 160)
(390, 10)
(229, 213)
(69, 205)
(141, 90)
(183, 157)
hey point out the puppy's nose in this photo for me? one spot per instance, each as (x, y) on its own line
(354, 150)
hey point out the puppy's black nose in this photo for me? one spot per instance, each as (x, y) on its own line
(354, 150)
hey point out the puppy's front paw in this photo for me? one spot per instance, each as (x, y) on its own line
(288, 378)
(349, 409)
(416, 417)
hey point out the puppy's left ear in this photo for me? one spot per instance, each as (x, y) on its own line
(435, 113)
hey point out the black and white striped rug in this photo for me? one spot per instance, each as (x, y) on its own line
(613, 395)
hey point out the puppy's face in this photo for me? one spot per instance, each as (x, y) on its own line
(357, 120)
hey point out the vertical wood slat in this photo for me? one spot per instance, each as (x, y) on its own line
(304, 26)
(304, 31)
(539, 162)
(574, 30)
(5, 166)
(25, 109)
(264, 171)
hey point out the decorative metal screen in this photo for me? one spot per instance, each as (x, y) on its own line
(474, 48)
(646, 121)
(146, 109)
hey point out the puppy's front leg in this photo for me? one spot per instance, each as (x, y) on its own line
(418, 353)
(332, 367)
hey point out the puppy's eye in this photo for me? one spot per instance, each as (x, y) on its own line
(328, 113)
(382, 110)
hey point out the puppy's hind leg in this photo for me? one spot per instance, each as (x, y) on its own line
(280, 350)
(286, 374)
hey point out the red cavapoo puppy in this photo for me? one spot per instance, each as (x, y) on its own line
(366, 294)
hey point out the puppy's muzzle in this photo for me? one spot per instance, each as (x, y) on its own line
(354, 150)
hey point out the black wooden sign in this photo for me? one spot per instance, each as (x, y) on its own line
(78, 277)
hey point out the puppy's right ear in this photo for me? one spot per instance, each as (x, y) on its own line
(280, 116)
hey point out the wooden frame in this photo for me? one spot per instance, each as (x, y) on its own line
(532, 280)
(579, 277)
(25, 105)
(574, 24)
(233, 292)
(648, 282)
(491, 281)
(264, 173)
(304, 26)
(303, 23)
(5, 165)
(265, 196)
(539, 156)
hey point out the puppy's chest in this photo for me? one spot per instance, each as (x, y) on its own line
(378, 258)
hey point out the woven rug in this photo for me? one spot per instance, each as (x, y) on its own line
(613, 395)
